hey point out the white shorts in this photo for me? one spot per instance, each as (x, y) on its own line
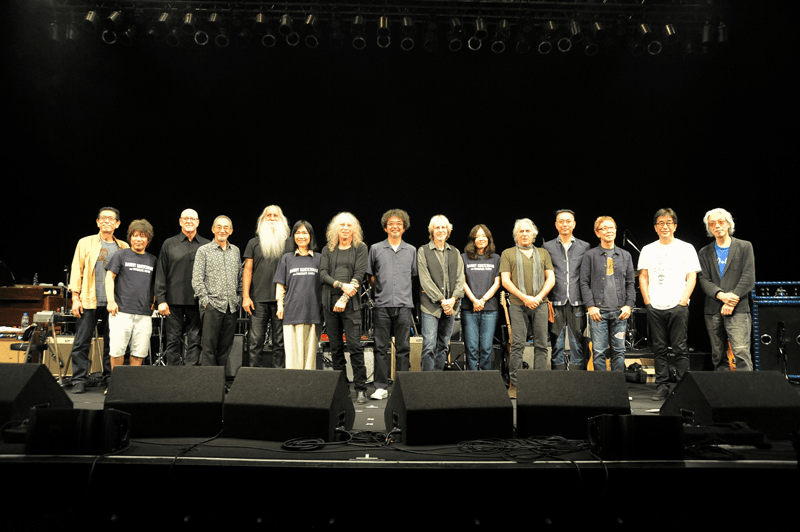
(135, 329)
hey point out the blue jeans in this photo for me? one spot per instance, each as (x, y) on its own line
(388, 322)
(436, 333)
(735, 328)
(479, 330)
(608, 332)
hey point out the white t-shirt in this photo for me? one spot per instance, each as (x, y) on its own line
(667, 267)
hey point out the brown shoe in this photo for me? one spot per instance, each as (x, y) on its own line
(512, 391)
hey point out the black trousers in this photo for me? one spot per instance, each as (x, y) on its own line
(219, 329)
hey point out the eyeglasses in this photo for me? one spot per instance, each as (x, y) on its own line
(664, 224)
(192, 220)
(605, 229)
(222, 229)
(108, 219)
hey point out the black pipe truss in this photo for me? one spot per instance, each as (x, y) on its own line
(643, 27)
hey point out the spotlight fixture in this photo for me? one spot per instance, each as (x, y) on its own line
(187, 24)
(502, 31)
(70, 34)
(480, 34)
(222, 40)
(430, 42)
(173, 37)
(384, 32)
(547, 36)
(722, 33)
(113, 21)
(359, 32)
(311, 37)
(127, 36)
(260, 24)
(285, 29)
(523, 39)
(454, 35)
(162, 23)
(670, 34)
(91, 21)
(109, 37)
(407, 41)
(336, 35)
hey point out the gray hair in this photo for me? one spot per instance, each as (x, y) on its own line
(439, 218)
(728, 218)
(521, 221)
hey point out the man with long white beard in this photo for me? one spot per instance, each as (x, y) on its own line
(258, 291)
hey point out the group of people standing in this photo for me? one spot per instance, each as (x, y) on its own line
(286, 284)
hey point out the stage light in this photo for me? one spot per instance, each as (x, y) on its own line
(722, 33)
(113, 21)
(91, 21)
(260, 24)
(285, 29)
(547, 36)
(310, 30)
(670, 34)
(407, 41)
(173, 37)
(187, 24)
(201, 38)
(109, 37)
(127, 36)
(384, 32)
(53, 33)
(70, 35)
(359, 32)
(222, 40)
(480, 34)
(454, 35)
(430, 42)
(575, 32)
(162, 23)
(502, 32)
(336, 34)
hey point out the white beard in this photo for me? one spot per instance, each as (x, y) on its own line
(272, 236)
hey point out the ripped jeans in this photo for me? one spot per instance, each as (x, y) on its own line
(608, 332)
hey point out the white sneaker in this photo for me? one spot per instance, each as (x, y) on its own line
(380, 393)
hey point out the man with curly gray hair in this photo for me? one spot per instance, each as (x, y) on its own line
(727, 276)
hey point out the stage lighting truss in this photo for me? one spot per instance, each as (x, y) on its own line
(586, 27)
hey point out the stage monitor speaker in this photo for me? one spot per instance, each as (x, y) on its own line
(171, 401)
(440, 407)
(77, 431)
(762, 399)
(283, 404)
(24, 386)
(559, 403)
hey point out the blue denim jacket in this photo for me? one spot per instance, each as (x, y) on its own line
(593, 277)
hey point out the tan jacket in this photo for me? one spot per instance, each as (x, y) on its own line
(81, 278)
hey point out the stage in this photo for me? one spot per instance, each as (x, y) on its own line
(368, 480)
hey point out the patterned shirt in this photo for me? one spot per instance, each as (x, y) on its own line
(217, 276)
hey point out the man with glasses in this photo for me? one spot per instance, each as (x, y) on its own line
(89, 303)
(668, 273)
(390, 265)
(727, 275)
(217, 281)
(608, 291)
(174, 294)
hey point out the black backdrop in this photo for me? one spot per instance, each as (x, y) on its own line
(477, 136)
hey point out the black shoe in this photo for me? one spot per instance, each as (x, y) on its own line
(78, 387)
(661, 394)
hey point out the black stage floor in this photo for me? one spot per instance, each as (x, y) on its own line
(553, 483)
